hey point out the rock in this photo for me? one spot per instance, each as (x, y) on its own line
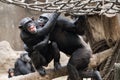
(7, 56)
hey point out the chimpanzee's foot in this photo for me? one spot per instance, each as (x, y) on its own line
(42, 71)
(57, 66)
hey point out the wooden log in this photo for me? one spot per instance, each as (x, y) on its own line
(98, 58)
(51, 74)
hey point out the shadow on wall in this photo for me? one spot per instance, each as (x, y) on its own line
(10, 15)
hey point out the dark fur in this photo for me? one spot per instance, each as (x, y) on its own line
(38, 46)
(23, 67)
(65, 34)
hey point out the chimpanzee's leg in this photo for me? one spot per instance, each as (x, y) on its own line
(78, 62)
(38, 61)
(54, 53)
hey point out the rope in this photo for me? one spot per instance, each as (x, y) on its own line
(73, 7)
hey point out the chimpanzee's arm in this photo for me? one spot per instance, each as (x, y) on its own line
(42, 44)
(77, 27)
(81, 24)
(49, 25)
(66, 24)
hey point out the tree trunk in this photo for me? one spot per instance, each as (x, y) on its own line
(103, 33)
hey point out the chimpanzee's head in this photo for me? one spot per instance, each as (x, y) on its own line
(24, 57)
(28, 24)
(10, 72)
(43, 19)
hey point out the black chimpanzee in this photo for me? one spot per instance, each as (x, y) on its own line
(35, 35)
(10, 72)
(65, 35)
(23, 65)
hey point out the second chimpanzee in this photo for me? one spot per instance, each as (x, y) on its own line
(35, 36)
(23, 65)
(65, 34)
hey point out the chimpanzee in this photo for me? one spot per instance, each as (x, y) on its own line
(23, 65)
(65, 35)
(10, 72)
(35, 35)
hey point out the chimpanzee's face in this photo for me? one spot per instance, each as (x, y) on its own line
(25, 58)
(11, 72)
(42, 21)
(31, 27)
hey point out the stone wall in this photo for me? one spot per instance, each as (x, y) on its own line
(10, 15)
